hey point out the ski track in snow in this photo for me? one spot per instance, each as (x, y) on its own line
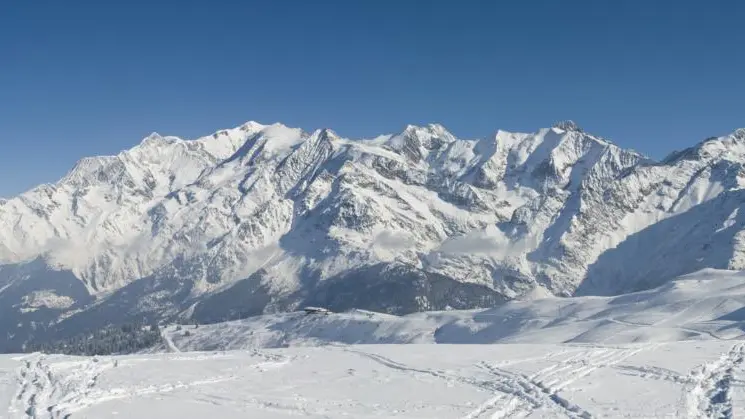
(517, 394)
(168, 341)
(57, 387)
(659, 324)
(655, 373)
(44, 393)
(520, 394)
(387, 362)
(709, 395)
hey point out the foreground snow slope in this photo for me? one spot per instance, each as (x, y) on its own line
(674, 351)
(695, 380)
(706, 305)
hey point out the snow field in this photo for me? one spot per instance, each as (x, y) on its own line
(649, 380)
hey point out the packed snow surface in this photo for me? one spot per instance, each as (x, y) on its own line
(644, 380)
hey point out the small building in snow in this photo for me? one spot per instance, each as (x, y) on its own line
(316, 310)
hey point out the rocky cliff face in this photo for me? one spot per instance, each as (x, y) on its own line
(263, 218)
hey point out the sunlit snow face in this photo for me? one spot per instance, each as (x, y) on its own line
(558, 209)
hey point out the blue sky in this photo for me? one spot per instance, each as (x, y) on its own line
(81, 78)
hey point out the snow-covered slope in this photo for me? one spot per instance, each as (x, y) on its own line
(262, 218)
(707, 305)
(673, 351)
(678, 380)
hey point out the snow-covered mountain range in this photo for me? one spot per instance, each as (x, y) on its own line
(262, 218)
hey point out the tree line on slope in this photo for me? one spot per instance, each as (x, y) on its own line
(115, 339)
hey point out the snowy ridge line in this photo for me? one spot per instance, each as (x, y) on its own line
(191, 227)
(705, 306)
(685, 329)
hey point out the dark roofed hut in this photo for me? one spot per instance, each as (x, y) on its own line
(316, 310)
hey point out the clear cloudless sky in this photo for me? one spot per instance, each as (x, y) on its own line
(80, 78)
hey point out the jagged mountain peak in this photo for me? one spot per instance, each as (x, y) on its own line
(570, 130)
(214, 147)
(428, 129)
(252, 126)
(328, 133)
(153, 137)
(417, 142)
(726, 147)
(567, 125)
(266, 216)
